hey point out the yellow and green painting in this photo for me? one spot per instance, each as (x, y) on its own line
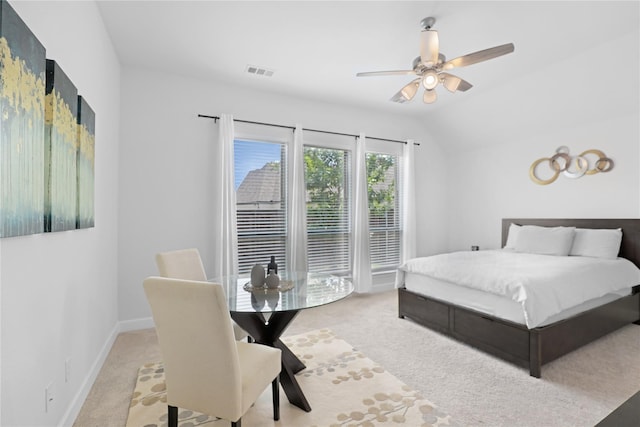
(22, 100)
(86, 164)
(60, 150)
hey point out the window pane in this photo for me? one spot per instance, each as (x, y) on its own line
(384, 221)
(328, 209)
(260, 203)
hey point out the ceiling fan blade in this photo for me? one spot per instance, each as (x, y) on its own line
(454, 83)
(386, 73)
(430, 96)
(481, 55)
(429, 47)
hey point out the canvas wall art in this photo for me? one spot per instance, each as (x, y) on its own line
(22, 115)
(86, 164)
(61, 146)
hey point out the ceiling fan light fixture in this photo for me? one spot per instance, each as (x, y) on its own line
(429, 96)
(430, 79)
(451, 83)
(409, 91)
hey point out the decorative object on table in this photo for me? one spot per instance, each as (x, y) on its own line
(561, 162)
(475, 248)
(272, 281)
(285, 285)
(272, 266)
(272, 299)
(257, 276)
(22, 84)
(258, 300)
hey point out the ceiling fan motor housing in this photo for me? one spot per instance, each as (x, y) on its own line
(428, 23)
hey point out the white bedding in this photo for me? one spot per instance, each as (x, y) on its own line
(544, 285)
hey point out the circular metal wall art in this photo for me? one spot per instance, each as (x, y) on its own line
(570, 167)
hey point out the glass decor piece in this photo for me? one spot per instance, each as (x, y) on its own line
(86, 164)
(22, 116)
(61, 146)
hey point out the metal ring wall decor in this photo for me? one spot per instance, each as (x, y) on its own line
(571, 167)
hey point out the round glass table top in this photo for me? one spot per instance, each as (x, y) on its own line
(296, 291)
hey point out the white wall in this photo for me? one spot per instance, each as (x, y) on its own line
(570, 103)
(491, 183)
(165, 157)
(59, 292)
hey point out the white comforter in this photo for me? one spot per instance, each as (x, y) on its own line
(543, 284)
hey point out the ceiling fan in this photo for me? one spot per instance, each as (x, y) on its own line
(431, 65)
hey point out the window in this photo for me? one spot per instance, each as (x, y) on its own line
(384, 218)
(261, 203)
(261, 197)
(327, 176)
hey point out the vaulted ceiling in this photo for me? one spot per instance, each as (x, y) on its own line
(569, 56)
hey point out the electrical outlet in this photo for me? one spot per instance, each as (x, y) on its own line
(67, 370)
(49, 397)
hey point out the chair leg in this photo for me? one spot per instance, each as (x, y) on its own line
(237, 423)
(275, 390)
(249, 339)
(173, 416)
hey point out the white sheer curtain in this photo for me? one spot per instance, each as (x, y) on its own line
(225, 237)
(408, 202)
(297, 206)
(361, 258)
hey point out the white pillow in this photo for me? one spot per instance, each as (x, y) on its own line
(545, 240)
(600, 243)
(512, 237)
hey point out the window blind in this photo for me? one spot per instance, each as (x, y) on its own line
(261, 190)
(384, 218)
(328, 180)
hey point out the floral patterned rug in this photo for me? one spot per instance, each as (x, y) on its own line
(343, 387)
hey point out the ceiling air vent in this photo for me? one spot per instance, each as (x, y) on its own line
(259, 71)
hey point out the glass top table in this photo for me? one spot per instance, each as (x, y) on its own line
(297, 291)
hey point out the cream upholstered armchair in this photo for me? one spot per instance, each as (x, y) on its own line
(187, 264)
(206, 369)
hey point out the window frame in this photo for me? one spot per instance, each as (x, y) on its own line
(394, 149)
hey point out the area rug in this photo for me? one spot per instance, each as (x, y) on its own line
(342, 385)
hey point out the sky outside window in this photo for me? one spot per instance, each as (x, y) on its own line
(252, 155)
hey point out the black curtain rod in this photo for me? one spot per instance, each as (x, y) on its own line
(216, 118)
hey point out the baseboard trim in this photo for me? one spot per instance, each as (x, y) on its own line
(76, 404)
(382, 288)
(136, 324)
(74, 408)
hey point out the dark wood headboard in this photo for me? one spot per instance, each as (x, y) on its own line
(629, 249)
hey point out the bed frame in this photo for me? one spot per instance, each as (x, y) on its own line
(532, 348)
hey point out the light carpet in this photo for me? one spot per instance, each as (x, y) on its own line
(342, 385)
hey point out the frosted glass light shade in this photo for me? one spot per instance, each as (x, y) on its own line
(430, 96)
(451, 83)
(430, 79)
(409, 91)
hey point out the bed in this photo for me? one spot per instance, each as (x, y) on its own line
(495, 331)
